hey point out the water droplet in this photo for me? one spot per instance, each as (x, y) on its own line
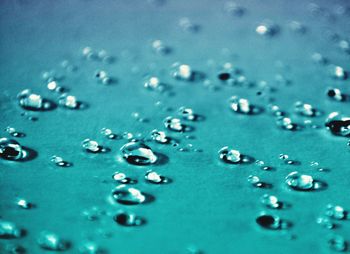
(160, 48)
(338, 124)
(91, 146)
(154, 84)
(159, 136)
(270, 201)
(325, 222)
(22, 203)
(267, 28)
(338, 243)
(32, 101)
(187, 113)
(128, 196)
(182, 72)
(59, 161)
(122, 178)
(336, 94)
(9, 230)
(128, 219)
(300, 182)
(50, 241)
(108, 133)
(103, 77)
(68, 101)
(338, 72)
(154, 177)
(187, 25)
(136, 152)
(286, 123)
(255, 181)
(229, 155)
(13, 248)
(335, 212)
(241, 105)
(174, 124)
(13, 132)
(90, 248)
(234, 9)
(283, 156)
(269, 221)
(11, 149)
(305, 109)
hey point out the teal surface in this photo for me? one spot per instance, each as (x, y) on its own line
(208, 204)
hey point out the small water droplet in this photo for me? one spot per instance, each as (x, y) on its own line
(255, 181)
(128, 219)
(267, 28)
(338, 72)
(269, 221)
(335, 212)
(305, 109)
(182, 72)
(336, 94)
(90, 248)
(325, 222)
(229, 155)
(51, 241)
(187, 113)
(338, 243)
(68, 101)
(153, 177)
(128, 196)
(241, 105)
(174, 124)
(270, 201)
(24, 204)
(91, 146)
(13, 132)
(136, 152)
(59, 161)
(159, 136)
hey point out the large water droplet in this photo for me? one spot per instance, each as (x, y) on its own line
(338, 124)
(136, 152)
(51, 241)
(128, 196)
(9, 230)
(298, 181)
(10, 149)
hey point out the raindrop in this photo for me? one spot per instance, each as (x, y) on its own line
(128, 196)
(159, 137)
(136, 152)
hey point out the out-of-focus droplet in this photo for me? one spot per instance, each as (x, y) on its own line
(338, 72)
(338, 243)
(9, 230)
(255, 181)
(267, 28)
(182, 72)
(51, 241)
(90, 248)
(336, 212)
(325, 222)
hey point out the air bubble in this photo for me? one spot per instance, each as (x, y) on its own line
(136, 152)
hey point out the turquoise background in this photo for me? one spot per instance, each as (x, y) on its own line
(209, 204)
